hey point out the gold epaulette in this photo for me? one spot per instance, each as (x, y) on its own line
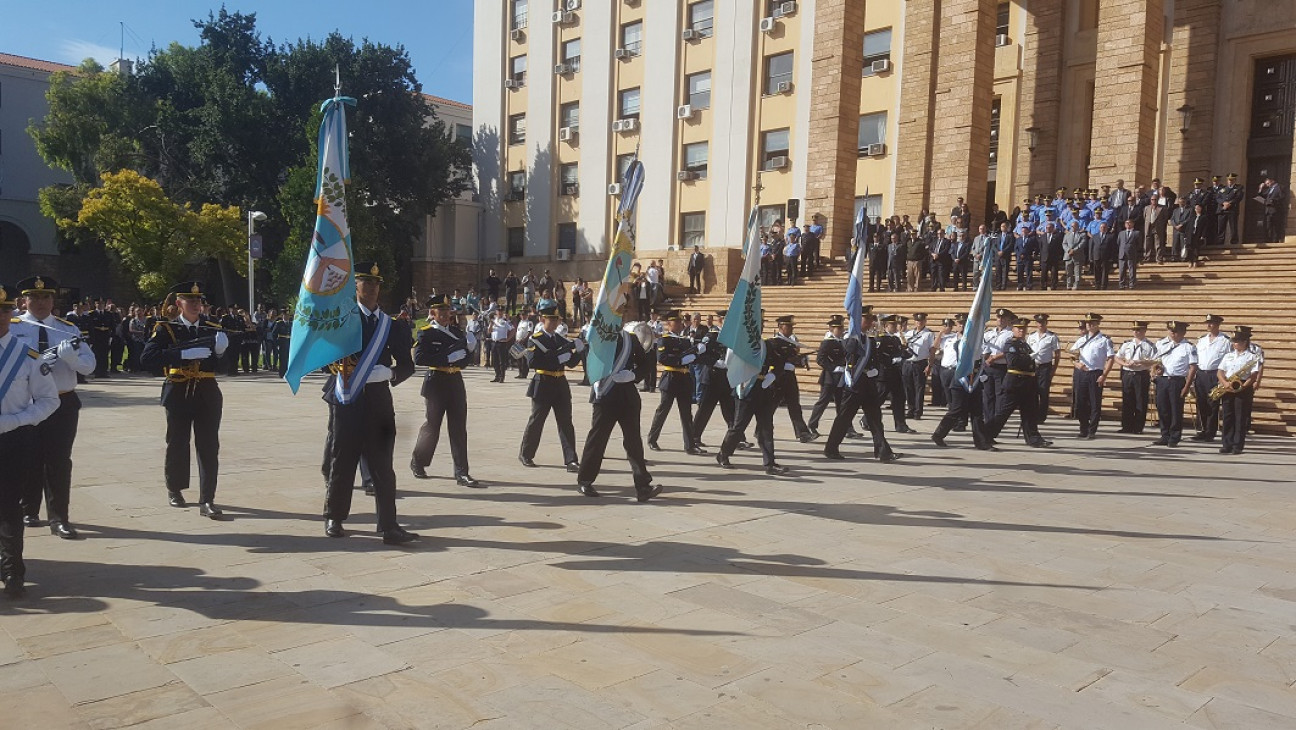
(32, 354)
(212, 323)
(15, 320)
(425, 327)
(537, 334)
(64, 321)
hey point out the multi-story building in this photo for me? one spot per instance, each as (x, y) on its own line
(896, 105)
(450, 251)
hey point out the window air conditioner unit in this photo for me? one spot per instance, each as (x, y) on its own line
(1002, 40)
(501, 257)
(563, 69)
(573, 4)
(785, 9)
(511, 84)
(614, 189)
(564, 254)
(685, 175)
(684, 112)
(625, 125)
(881, 65)
(688, 34)
(571, 188)
(783, 87)
(563, 17)
(777, 163)
(877, 150)
(516, 34)
(767, 25)
(621, 53)
(566, 134)
(516, 194)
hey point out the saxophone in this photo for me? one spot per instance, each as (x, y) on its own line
(1234, 383)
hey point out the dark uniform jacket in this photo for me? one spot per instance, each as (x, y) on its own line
(1018, 356)
(544, 352)
(434, 348)
(831, 355)
(395, 355)
(640, 361)
(864, 361)
(186, 379)
(671, 352)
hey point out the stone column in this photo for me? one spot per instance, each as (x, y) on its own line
(917, 69)
(834, 126)
(964, 86)
(1039, 98)
(1127, 70)
(1192, 82)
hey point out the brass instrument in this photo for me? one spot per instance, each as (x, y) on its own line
(1236, 381)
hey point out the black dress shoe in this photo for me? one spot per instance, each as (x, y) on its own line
(1161, 442)
(464, 480)
(723, 461)
(906, 429)
(695, 451)
(419, 472)
(1092, 435)
(176, 499)
(776, 470)
(525, 461)
(587, 489)
(653, 445)
(834, 455)
(13, 587)
(32, 521)
(63, 530)
(1226, 449)
(573, 467)
(368, 488)
(743, 445)
(643, 495)
(209, 509)
(398, 536)
(1041, 444)
(333, 528)
(1201, 437)
(888, 458)
(939, 441)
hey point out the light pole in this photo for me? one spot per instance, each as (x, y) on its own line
(253, 217)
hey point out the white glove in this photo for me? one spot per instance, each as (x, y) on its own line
(623, 376)
(839, 369)
(222, 342)
(580, 346)
(789, 366)
(472, 341)
(67, 351)
(380, 374)
(983, 377)
(768, 380)
(196, 353)
(456, 356)
(563, 358)
(871, 373)
(688, 359)
(701, 348)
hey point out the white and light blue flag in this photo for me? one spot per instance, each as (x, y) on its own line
(615, 293)
(974, 330)
(741, 332)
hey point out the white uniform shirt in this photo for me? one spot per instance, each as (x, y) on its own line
(1136, 350)
(524, 330)
(1210, 352)
(501, 328)
(1044, 345)
(995, 340)
(1176, 357)
(920, 343)
(32, 395)
(1092, 351)
(1234, 361)
(64, 372)
(950, 346)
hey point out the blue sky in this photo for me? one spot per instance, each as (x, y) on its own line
(437, 33)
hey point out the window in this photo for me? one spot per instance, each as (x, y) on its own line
(994, 131)
(767, 214)
(1001, 19)
(566, 236)
(872, 205)
(517, 69)
(517, 185)
(774, 143)
(877, 47)
(571, 53)
(517, 129)
(872, 130)
(1088, 14)
(519, 14)
(778, 69)
(692, 230)
(695, 158)
(463, 134)
(702, 18)
(699, 90)
(628, 103)
(516, 241)
(569, 115)
(569, 179)
(632, 37)
(623, 164)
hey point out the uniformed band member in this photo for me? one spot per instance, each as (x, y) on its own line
(757, 399)
(863, 392)
(617, 403)
(916, 368)
(526, 327)
(1238, 379)
(789, 390)
(1019, 389)
(675, 352)
(892, 354)
(362, 419)
(1176, 368)
(1094, 357)
(940, 377)
(965, 403)
(1048, 350)
(189, 348)
(28, 396)
(58, 341)
(443, 348)
(1211, 348)
(715, 386)
(994, 366)
(549, 355)
(831, 359)
(1136, 357)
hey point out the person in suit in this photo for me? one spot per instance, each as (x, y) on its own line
(550, 355)
(1274, 196)
(961, 261)
(1129, 245)
(443, 348)
(189, 346)
(1001, 251)
(1075, 254)
(1181, 230)
(362, 418)
(1205, 197)
(876, 246)
(896, 260)
(1155, 217)
(696, 265)
(675, 353)
(942, 260)
(1051, 255)
(1025, 248)
(617, 403)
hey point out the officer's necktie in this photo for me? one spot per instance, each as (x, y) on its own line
(42, 340)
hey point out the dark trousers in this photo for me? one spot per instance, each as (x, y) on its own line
(1043, 384)
(116, 353)
(962, 270)
(893, 383)
(789, 391)
(445, 400)
(715, 392)
(249, 352)
(500, 358)
(1017, 393)
(792, 269)
(1088, 399)
(1025, 273)
(1170, 406)
(830, 393)
(1273, 224)
(855, 401)
(1000, 272)
(1101, 273)
(1049, 273)
(15, 453)
(896, 277)
(695, 282)
(562, 412)
(269, 353)
(99, 346)
(990, 390)
(620, 407)
(914, 373)
(282, 357)
(1134, 400)
(198, 415)
(51, 476)
(365, 428)
(682, 399)
(940, 268)
(1235, 415)
(964, 407)
(1208, 411)
(940, 383)
(1226, 223)
(758, 406)
(877, 275)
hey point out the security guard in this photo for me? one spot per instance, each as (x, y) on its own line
(60, 345)
(1211, 349)
(617, 402)
(716, 389)
(675, 352)
(1020, 390)
(550, 354)
(1176, 369)
(28, 396)
(362, 419)
(1135, 357)
(189, 347)
(916, 368)
(831, 359)
(863, 392)
(1239, 374)
(443, 348)
(1094, 358)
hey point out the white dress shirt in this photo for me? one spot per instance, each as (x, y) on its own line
(1233, 362)
(1136, 350)
(920, 342)
(501, 328)
(1092, 351)
(1044, 345)
(64, 372)
(32, 396)
(1211, 351)
(950, 346)
(995, 340)
(1176, 357)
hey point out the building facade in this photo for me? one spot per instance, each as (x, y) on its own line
(450, 252)
(823, 106)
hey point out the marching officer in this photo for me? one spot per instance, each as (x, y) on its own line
(994, 366)
(917, 365)
(1211, 349)
(1239, 375)
(617, 402)
(862, 386)
(549, 355)
(788, 389)
(188, 348)
(831, 359)
(1020, 390)
(1094, 358)
(58, 342)
(1047, 348)
(443, 348)
(965, 402)
(1135, 358)
(28, 396)
(675, 352)
(757, 399)
(362, 419)
(1176, 370)
(891, 384)
(716, 389)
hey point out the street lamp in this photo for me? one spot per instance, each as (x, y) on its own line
(1032, 138)
(253, 217)
(1185, 117)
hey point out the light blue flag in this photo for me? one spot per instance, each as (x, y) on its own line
(614, 295)
(974, 330)
(741, 332)
(854, 301)
(326, 322)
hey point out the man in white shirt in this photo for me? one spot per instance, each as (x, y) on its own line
(57, 341)
(920, 342)
(1047, 350)
(1094, 358)
(1136, 357)
(525, 328)
(1176, 370)
(28, 396)
(1211, 349)
(995, 367)
(940, 377)
(501, 328)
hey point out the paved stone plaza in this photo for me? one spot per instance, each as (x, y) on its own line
(1097, 585)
